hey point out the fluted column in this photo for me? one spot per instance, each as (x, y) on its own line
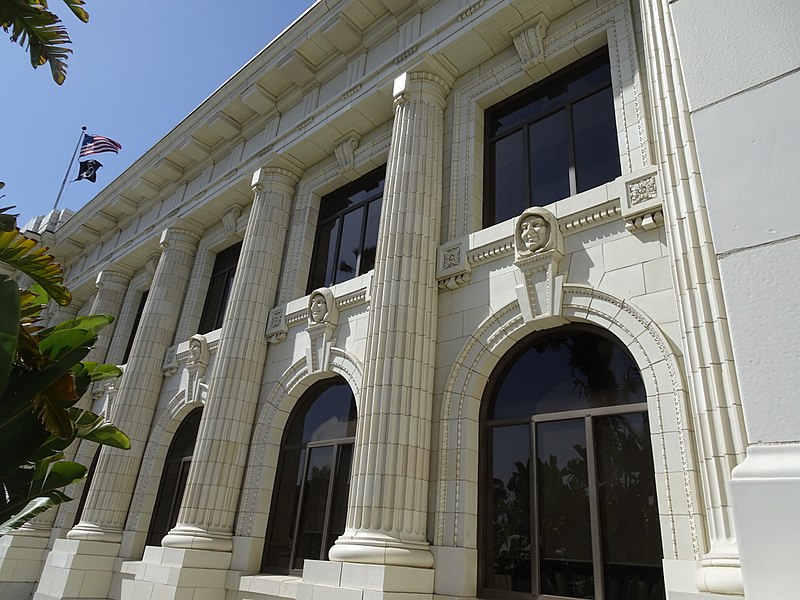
(387, 512)
(107, 503)
(111, 289)
(214, 483)
(58, 314)
(713, 386)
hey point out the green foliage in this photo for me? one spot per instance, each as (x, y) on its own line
(42, 377)
(31, 23)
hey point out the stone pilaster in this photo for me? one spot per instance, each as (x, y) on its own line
(212, 491)
(106, 509)
(386, 517)
(713, 387)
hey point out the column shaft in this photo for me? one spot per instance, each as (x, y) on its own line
(109, 498)
(386, 517)
(713, 386)
(214, 482)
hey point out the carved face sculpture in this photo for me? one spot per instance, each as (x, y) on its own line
(534, 232)
(318, 308)
(195, 350)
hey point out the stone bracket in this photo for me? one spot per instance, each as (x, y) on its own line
(641, 200)
(276, 325)
(452, 267)
(539, 289)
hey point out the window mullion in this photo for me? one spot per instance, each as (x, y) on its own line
(323, 547)
(573, 176)
(534, 510)
(298, 516)
(594, 511)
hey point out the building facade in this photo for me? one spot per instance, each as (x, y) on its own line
(449, 300)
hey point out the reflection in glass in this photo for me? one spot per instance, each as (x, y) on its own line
(314, 502)
(549, 154)
(590, 504)
(347, 231)
(567, 371)
(565, 543)
(173, 478)
(595, 131)
(628, 509)
(309, 504)
(508, 564)
(508, 167)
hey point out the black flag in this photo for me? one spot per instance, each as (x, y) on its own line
(88, 170)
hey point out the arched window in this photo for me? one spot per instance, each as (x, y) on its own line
(309, 504)
(569, 499)
(173, 478)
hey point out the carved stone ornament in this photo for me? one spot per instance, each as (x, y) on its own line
(322, 307)
(346, 152)
(198, 351)
(230, 218)
(276, 325)
(641, 201)
(193, 374)
(537, 231)
(452, 267)
(530, 42)
(170, 365)
(323, 315)
(642, 190)
(539, 248)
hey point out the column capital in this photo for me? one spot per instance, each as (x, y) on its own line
(178, 236)
(110, 279)
(421, 85)
(272, 177)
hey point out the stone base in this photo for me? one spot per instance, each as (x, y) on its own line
(176, 574)
(765, 489)
(77, 569)
(22, 557)
(357, 581)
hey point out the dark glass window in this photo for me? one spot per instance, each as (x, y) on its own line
(173, 478)
(552, 140)
(569, 500)
(137, 319)
(347, 231)
(309, 504)
(219, 288)
(86, 485)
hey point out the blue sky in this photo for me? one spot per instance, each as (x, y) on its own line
(137, 69)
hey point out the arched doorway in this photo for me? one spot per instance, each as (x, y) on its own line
(309, 503)
(173, 478)
(568, 505)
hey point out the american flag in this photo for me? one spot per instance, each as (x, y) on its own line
(94, 144)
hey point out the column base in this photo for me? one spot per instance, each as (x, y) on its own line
(77, 569)
(765, 489)
(378, 549)
(175, 574)
(196, 538)
(354, 581)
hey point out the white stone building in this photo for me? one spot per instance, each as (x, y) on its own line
(451, 300)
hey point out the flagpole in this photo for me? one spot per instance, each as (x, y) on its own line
(69, 168)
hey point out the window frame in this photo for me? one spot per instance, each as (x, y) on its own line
(213, 314)
(180, 477)
(135, 326)
(301, 410)
(377, 177)
(528, 96)
(589, 416)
